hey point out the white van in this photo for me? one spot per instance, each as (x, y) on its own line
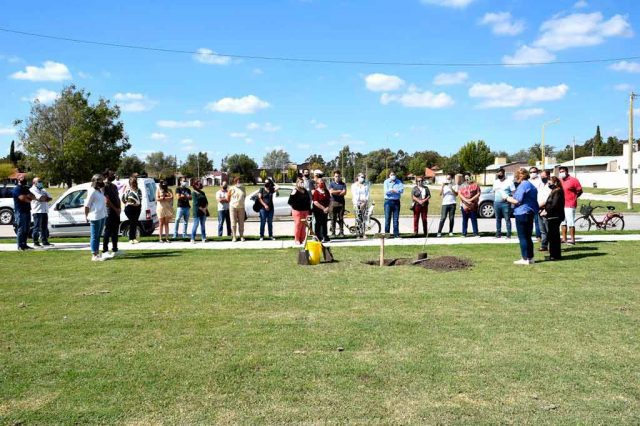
(66, 213)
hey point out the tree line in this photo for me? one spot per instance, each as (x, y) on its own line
(72, 138)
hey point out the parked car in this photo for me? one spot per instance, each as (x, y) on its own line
(67, 219)
(6, 204)
(485, 204)
(281, 205)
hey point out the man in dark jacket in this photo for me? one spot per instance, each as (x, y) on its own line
(112, 224)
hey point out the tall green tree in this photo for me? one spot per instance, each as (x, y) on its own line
(196, 164)
(276, 160)
(241, 165)
(475, 156)
(597, 142)
(316, 162)
(131, 164)
(422, 159)
(15, 157)
(71, 139)
(159, 165)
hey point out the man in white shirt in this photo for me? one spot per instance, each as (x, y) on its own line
(40, 211)
(502, 188)
(536, 181)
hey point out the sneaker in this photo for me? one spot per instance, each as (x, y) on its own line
(193, 241)
(242, 239)
(47, 244)
(167, 240)
(531, 261)
(204, 240)
(25, 248)
(272, 238)
(521, 262)
(97, 258)
(261, 239)
(36, 244)
(108, 255)
(497, 237)
(341, 235)
(161, 241)
(438, 235)
(134, 241)
(451, 234)
(233, 240)
(508, 237)
(477, 236)
(118, 253)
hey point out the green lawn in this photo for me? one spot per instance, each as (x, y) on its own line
(203, 337)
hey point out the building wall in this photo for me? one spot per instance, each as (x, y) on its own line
(607, 180)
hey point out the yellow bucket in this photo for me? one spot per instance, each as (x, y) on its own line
(315, 252)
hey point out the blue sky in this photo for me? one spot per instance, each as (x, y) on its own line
(181, 103)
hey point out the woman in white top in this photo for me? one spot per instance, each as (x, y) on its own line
(360, 198)
(448, 192)
(95, 210)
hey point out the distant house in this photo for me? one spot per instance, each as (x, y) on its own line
(501, 162)
(214, 178)
(605, 171)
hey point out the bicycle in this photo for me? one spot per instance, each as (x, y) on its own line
(611, 220)
(366, 225)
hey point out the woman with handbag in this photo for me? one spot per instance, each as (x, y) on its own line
(420, 195)
(200, 211)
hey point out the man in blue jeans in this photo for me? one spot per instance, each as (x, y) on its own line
(393, 189)
(502, 188)
(22, 198)
(183, 194)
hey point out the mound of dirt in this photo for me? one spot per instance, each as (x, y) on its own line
(442, 263)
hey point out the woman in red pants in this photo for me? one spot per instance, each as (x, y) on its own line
(420, 206)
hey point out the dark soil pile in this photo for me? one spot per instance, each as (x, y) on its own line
(442, 263)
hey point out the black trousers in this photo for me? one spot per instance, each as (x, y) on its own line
(111, 231)
(321, 224)
(133, 214)
(337, 216)
(553, 238)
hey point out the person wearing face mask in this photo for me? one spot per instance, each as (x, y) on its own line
(237, 196)
(224, 216)
(200, 212)
(448, 192)
(164, 209)
(22, 199)
(132, 199)
(337, 189)
(112, 221)
(321, 203)
(543, 194)
(309, 185)
(265, 195)
(299, 202)
(95, 211)
(469, 193)
(39, 210)
(183, 194)
(536, 181)
(420, 196)
(360, 200)
(502, 188)
(553, 213)
(572, 190)
(525, 200)
(393, 189)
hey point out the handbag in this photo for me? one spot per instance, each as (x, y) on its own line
(257, 205)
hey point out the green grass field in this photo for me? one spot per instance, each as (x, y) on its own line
(202, 337)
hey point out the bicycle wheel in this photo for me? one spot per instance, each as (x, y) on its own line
(373, 227)
(616, 223)
(583, 223)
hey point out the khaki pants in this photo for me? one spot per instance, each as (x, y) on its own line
(237, 219)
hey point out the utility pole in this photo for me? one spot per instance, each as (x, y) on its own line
(542, 144)
(630, 189)
(574, 157)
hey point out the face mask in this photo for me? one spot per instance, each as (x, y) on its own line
(448, 181)
(39, 185)
(306, 175)
(545, 180)
(361, 179)
(238, 185)
(100, 185)
(534, 175)
(224, 187)
(184, 184)
(393, 178)
(552, 186)
(563, 175)
(501, 177)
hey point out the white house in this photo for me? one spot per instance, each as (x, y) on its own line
(606, 171)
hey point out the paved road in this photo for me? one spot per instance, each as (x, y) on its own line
(282, 228)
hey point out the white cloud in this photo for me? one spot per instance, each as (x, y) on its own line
(84, 75)
(445, 79)
(266, 127)
(50, 71)
(525, 114)
(248, 141)
(458, 4)
(43, 96)
(133, 102)
(156, 136)
(303, 146)
(383, 83)
(257, 71)
(623, 87)
(416, 99)
(245, 105)
(173, 124)
(625, 66)
(502, 23)
(5, 131)
(529, 55)
(208, 56)
(581, 29)
(317, 124)
(502, 95)
(580, 4)
(237, 135)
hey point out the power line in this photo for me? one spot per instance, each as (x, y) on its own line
(313, 60)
